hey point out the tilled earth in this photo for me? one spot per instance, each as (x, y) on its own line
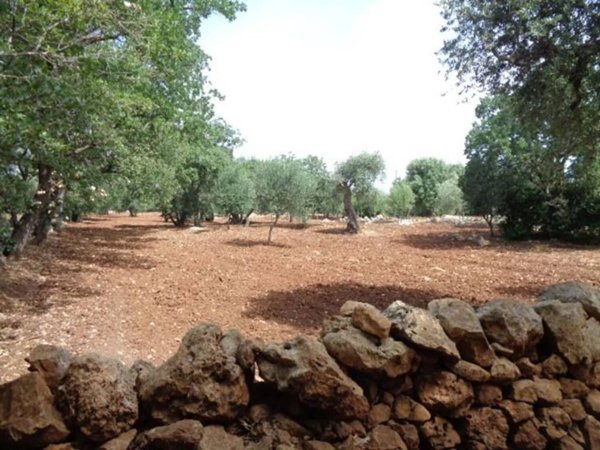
(130, 287)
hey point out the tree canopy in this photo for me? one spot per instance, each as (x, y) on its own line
(94, 90)
(544, 54)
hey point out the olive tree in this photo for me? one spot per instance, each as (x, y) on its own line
(282, 186)
(356, 175)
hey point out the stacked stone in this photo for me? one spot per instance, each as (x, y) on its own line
(505, 376)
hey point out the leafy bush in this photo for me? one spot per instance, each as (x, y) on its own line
(449, 199)
(401, 199)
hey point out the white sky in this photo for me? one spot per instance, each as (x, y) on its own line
(336, 77)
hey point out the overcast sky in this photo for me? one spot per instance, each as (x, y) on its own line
(337, 77)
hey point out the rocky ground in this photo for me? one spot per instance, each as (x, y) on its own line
(130, 287)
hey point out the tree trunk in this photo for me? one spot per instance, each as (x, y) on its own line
(43, 216)
(271, 228)
(21, 234)
(490, 222)
(352, 226)
(246, 220)
(58, 216)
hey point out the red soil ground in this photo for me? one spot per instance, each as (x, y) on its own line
(131, 287)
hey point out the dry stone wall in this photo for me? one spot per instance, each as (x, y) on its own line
(506, 376)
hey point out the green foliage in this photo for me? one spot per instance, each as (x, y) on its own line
(325, 197)
(449, 198)
(540, 188)
(425, 175)
(544, 54)
(370, 203)
(234, 192)
(401, 199)
(283, 185)
(196, 178)
(93, 92)
(361, 171)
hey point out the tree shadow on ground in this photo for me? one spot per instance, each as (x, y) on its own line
(254, 243)
(438, 240)
(51, 273)
(306, 307)
(464, 239)
(339, 231)
(283, 225)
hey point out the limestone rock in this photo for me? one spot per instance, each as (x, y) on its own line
(574, 408)
(591, 333)
(528, 368)
(517, 411)
(512, 324)
(548, 391)
(97, 395)
(405, 408)
(369, 319)
(444, 392)
(383, 437)
(568, 443)
(440, 434)
(554, 421)
(592, 403)
(577, 435)
(357, 350)
(121, 442)
(181, 435)
(554, 366)
(575, 292)
(349, 306)
(318, 445)
(303, 367)
(470, 371)
(70, 446)
(460, 322)
(201, 381)
(591, 431)
(524, 391)
(488, 394)
(379, 414)
(51, 362)
(216, 438)
(28, 418)
(573, 388)
(566, 323)
(420, 328)
(504, 371)
(487, 427)
(409, 434)
(529, 437)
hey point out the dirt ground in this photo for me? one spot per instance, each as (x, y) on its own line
(131, 287)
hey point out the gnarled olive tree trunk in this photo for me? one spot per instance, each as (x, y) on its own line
(37, 219)
(352, 226)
